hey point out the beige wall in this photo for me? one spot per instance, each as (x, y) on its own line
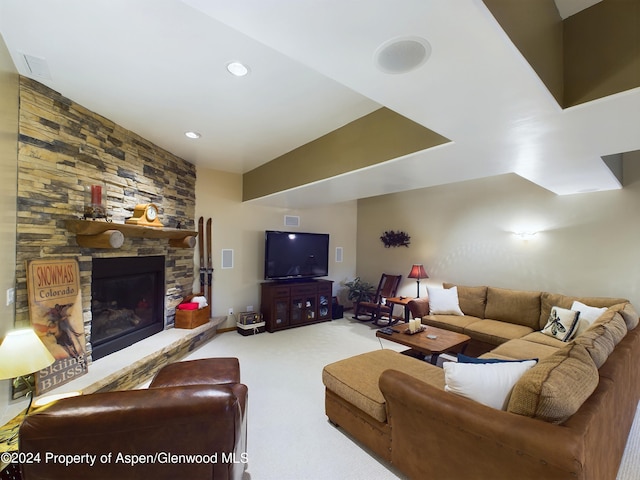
(8, 173)
(587, 244)
(240, 227)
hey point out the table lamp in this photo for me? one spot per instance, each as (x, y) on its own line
(418, 272)
(21, 354)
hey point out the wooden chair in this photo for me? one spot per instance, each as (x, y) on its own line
(376, 308)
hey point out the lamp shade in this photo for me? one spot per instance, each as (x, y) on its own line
(418, 271)
(22, 353)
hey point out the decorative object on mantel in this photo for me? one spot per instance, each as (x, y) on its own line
(145, 215)
(395, 239)
(418, 272)
(95, 200)
(55, 309)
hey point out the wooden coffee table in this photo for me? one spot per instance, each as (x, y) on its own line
(445, 341)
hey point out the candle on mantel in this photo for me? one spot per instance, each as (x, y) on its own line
(96, 194)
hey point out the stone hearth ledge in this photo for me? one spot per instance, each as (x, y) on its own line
(134, 366)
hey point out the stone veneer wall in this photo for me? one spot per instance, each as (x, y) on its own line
(63, 146)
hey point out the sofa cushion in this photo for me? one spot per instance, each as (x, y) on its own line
(355, 379)
(513, 306)
(443, 301)
(472, 300)
(602, 337)
(557, 386)
(539, 337)
(486, 383)
(548, 300)
(455, 323)
(562, 323)
(614, 324)
(495, 332)
(521, 349)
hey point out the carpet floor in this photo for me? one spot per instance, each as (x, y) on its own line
(289, 437)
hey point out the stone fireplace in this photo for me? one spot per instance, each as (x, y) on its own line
(62, 148)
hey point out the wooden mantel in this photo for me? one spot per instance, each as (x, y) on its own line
(102, 234)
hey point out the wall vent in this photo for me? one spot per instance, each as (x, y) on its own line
(291, 221)
(338, 254)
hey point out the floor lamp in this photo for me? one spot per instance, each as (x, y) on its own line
(21, 354)
(418, 272)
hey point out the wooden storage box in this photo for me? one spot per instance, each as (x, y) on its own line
(192, 318)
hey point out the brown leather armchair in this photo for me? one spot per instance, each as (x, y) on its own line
(189, 423)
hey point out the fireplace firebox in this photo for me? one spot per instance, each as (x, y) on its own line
(127, 302)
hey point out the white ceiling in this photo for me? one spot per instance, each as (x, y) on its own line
(157, 67)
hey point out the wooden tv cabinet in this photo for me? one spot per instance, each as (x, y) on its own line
(296, 303)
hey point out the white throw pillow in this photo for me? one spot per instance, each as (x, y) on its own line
(588, 315)
(561, 324)
(486, 383)
(443, 301)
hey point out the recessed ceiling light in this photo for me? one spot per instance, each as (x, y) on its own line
(192, 134)
(401, 55)
(237, 69)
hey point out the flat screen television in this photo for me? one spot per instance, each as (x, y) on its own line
(295, 255)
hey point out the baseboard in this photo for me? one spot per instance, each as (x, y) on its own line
(227, 329)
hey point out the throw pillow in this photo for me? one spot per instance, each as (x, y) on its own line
(588, 315)
(443, 301)
(489, 383)
(466, 359)
(561, 324)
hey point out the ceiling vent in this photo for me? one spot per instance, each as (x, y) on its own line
(401, 55)
(37, 66)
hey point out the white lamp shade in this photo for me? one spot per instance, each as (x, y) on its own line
(22, 353)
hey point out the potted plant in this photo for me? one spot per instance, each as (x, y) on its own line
(359, 290)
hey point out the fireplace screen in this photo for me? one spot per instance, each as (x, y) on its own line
(127, 302)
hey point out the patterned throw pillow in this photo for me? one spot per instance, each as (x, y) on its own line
(561, 324)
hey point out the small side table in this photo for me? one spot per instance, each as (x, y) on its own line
(404, 301)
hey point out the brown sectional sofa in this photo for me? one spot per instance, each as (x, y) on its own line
(569, 416)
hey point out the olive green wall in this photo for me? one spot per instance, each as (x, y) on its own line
(535, 28)
(380, 136)
(602, 51)
(587, 243)
(589, 55)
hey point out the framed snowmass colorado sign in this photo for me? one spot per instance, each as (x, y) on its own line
(55, 308)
